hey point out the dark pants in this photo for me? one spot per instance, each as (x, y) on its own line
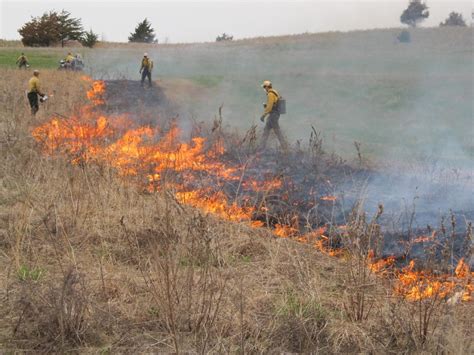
(34, 104)
(22, 65)
(272, 123)
(146, 74)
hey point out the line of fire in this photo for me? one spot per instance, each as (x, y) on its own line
(295, 197)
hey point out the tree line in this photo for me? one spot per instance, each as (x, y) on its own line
(53, 28)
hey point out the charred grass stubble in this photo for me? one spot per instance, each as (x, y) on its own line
(94, 263)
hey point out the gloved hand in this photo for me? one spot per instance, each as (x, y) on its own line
(262, 118)
(139, 72)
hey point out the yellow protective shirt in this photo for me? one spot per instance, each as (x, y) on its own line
(34, 85)
(147, 64)
(69, 58)
(22, 58)
(272, 99)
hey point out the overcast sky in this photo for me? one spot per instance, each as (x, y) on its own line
(200, 21)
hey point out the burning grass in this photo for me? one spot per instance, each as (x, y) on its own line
(203, 174)
(127, 233)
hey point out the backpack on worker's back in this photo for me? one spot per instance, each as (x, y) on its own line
(281, 105)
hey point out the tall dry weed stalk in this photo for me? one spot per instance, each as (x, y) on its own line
(414, 324)
(59, 312)
(183, 274)
(363, 241)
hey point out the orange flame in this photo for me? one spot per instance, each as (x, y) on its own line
(285, 231)
(96, 93)
(419, 285)
(263, 186)
(423, 239)
(380, 266)
(144, 151)
(328, 198)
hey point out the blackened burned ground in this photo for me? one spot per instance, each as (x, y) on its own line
(128, 96)
(310, 178)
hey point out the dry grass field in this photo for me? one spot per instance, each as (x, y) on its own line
(92, 263)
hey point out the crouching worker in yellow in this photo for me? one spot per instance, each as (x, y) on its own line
(34, 90)
(22, 61)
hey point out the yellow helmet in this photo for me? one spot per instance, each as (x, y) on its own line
(267, 84)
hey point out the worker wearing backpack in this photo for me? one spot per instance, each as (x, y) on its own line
(273, 108)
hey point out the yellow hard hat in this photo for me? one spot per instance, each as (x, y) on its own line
(266, 84)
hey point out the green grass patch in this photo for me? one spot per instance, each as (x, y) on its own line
(293, 305)
(207, 81)
(42, 60)
(34, 274)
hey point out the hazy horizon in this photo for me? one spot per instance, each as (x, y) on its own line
(202, 21)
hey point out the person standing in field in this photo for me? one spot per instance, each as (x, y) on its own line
(273, 113)
(34, 90)
(22, 61)
(145, 69)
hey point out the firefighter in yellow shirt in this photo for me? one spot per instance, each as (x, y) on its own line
(271, 110)
(145, 69)
(69, 58)
(22, 61)
(34, 90)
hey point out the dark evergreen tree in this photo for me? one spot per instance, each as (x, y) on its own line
(89, 39)
(416, 12)
(143, 33)
(69, 28)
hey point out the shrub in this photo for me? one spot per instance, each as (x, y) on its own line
(454, 19)
(224, 37)
(404, 37)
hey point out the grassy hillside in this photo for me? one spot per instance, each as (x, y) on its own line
(402, 101)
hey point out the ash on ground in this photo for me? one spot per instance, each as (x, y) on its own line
(143, 103)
